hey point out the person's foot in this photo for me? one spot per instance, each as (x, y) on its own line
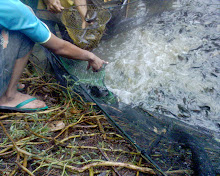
(19, 98)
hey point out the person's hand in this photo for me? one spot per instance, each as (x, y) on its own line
(96, 63)
(54, 6)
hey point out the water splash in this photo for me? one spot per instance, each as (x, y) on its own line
(170, 65)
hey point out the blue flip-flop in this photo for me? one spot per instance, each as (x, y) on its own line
(19, 108)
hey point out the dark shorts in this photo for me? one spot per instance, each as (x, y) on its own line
(13, 45)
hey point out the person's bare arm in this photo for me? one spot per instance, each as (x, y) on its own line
(54, 6)
(70, 51)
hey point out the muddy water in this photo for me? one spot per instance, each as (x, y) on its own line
(171, 64)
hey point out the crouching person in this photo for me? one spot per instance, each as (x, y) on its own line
(19, 30)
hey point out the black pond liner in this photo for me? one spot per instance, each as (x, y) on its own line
(167, 143)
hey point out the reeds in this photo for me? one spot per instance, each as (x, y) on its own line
(86, 145)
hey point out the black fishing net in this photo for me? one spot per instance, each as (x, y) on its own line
(167, 143)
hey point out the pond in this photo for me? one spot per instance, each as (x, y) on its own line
(171, 62)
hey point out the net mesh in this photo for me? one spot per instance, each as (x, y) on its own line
(84, 75)
(86, 38)
(89, 37)
(94, 81)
